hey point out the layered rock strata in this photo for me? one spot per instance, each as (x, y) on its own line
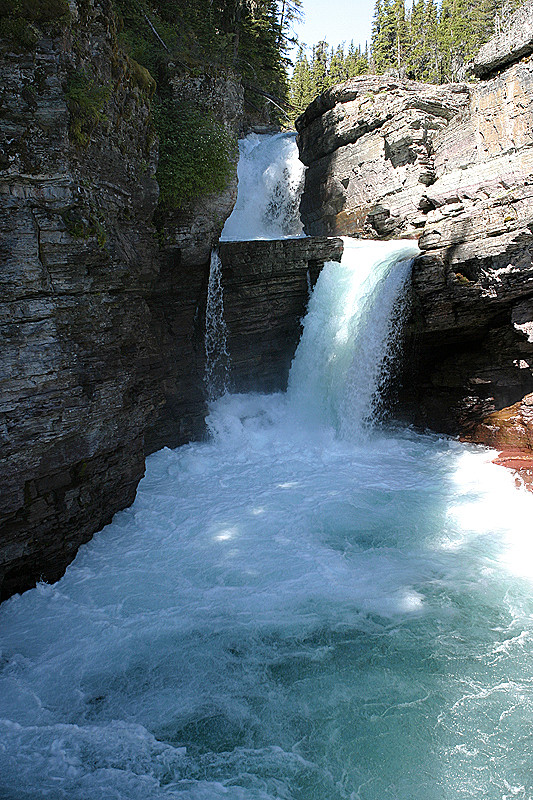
(266, 287)
(77, 392)
(369, 147)
(101, 357)
(451, 166)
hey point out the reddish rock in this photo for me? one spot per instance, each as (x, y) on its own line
(510, 431)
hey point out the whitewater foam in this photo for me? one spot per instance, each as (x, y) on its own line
(271, 178)
(286, 612)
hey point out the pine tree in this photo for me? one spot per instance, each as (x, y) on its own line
(416, 59)
(337, 72)
(302, 88)
(398, 25)
(430, 43)
(319, 67)
(382, 37)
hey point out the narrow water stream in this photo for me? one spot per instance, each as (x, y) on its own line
(309, 606)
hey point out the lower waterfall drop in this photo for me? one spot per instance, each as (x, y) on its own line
(341, 366)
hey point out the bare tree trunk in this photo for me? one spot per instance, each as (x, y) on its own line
(238, 12)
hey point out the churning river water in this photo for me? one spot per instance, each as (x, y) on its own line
(307, 606)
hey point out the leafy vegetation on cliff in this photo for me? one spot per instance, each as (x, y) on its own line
(195, 153)
(171, 38)
(428, 41)
(86, 100)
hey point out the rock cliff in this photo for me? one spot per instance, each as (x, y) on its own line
(266, 289)
(101, 310)
(101, 358)
(451, 166)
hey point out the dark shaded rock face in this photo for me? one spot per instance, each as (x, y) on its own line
(100, 359)
(266, 286)
(452, 167)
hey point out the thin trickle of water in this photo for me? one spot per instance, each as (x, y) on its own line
(271, 179)
(217, 360)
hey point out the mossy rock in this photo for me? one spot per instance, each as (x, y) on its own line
(86, 101)
(81, 226)
(142, 77)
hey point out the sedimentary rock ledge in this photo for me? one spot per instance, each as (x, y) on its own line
(266, 286)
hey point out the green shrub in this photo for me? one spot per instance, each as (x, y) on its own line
(86, 101)
(85, 226)
(39, 11)
(20, 32)
(196, 154)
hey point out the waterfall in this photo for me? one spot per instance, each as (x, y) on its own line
(343, 360)
(271, 180)
(217, 360)
(303, 607)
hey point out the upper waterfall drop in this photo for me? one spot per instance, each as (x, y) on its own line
(271, 178)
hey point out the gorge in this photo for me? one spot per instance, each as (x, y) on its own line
(306, 606)
(103, 355)
(313, 602)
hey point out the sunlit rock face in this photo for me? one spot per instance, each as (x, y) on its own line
(452, 167)
(368, 144)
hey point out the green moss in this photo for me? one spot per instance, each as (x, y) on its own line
(142, 77)
(86, 101)
(196, 153)
(81, 226)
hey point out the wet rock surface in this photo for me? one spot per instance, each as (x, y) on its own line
(510, 431)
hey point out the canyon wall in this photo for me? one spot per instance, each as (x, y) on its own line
(101, 360)
(103, 295)
(452, 166)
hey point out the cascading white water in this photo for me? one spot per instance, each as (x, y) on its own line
(338, 372)
(217, 360)
(290, 611)
(271, 180)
